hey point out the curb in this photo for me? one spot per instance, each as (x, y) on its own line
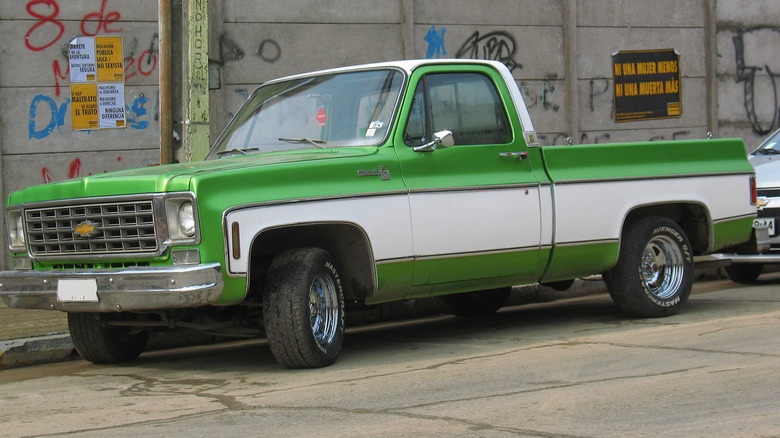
(37, 350)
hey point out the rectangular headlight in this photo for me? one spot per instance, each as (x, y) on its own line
(15, 225)
(182, 217)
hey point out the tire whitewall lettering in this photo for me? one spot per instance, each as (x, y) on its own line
(303, 308)
(654, 273)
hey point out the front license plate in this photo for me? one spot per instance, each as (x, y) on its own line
(77, 290)
(765, 222)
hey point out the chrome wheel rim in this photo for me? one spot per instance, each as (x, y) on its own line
(323, 309)
(662, 268)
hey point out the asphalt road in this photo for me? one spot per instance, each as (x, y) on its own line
(574, 368)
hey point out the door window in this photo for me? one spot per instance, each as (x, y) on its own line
(467, 104)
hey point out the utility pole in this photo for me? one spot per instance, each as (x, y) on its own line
(196, 80)
(166, 81)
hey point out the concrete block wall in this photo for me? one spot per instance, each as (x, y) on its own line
(37, 142)
(748, 69)
(559, 52)
(605, 27)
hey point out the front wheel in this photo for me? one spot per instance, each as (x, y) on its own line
(654, 273)
(303, 308)
(97, 342)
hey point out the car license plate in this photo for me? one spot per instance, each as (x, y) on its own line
(74, 290)
(765, 222)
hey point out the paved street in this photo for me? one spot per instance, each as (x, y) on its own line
(573, 368)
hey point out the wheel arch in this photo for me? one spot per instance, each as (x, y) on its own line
(346, 242)
(693, 217)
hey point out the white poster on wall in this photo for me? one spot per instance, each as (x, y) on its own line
(81, 59)
(111, 104)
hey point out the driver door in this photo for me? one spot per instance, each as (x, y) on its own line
(475, 207)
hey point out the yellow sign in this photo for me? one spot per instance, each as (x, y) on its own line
(84, 106)
(110, 61)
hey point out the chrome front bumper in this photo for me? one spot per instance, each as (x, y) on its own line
(132, 289)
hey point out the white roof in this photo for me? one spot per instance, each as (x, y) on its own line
(407, 65)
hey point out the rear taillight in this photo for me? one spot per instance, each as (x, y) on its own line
(753, 191)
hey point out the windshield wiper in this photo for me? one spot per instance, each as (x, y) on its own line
(239, 150)
(317, 143)
(768, 151)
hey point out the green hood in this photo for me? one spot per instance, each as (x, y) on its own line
(168, 178)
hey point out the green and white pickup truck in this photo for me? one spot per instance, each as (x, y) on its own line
(355, 186)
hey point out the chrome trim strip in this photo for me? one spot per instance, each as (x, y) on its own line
(131, 289)
(398, 260)
(312, 199)
(650, 177)
(476, 188)
(586, 243)
(742, 258)
(476, 253)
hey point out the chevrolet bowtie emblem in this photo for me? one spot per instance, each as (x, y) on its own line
(85, 229)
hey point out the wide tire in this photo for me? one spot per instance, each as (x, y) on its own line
(100, 344)
(303, 308)
(654, 273)
(476, 304)
(745, 273)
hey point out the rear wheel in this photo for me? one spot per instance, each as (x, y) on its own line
(654, 273)
(472, 304)
(303, 308)
(99, 343)
(744, 272)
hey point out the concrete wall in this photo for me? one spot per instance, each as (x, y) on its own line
(559, 51)
(748, 68)
(37, 141)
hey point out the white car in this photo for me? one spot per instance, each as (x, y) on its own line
(766, 161)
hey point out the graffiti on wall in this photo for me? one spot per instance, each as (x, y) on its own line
(47, 35)
(495, 46)
(73, 171)
(268, 50)
(541, 96)
(435, 40)
(48, 114)
(759, 73)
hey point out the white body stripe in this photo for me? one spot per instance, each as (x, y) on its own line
(384, 218)
(457, 222)
(477, 220)
(596, 210)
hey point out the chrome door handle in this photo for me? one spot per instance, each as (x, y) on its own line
(521, 155)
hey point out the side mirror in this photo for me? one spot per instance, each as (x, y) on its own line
(441, 140)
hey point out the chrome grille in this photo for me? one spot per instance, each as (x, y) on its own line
(120, 228)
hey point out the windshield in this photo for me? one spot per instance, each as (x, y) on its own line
(770, 146)
(335, 110)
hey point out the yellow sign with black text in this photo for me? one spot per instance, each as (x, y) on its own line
(84, 103)
(110, 61)
(647, 85)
